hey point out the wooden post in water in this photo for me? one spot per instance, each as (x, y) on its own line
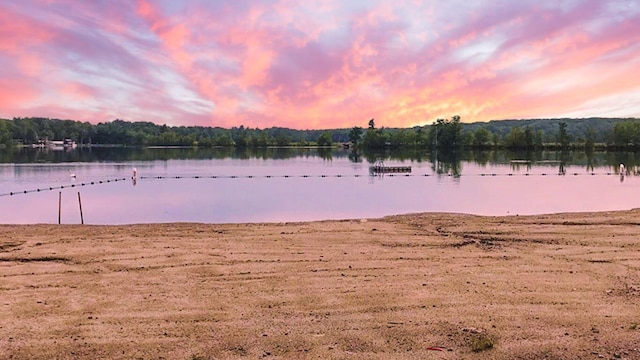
(59, 205)
(80, 203)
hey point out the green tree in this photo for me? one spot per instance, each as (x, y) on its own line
(422, 136)
(528, 137)
(481, 137)
(446, 133)
(85, 133)
(324, 139)
(375, 138)
(537, 139)
(589, 140)
(282, 140)
(515, 139)
(5, 134)
(403, 138)
(563, 137)
(25, 131)
(240, 136)
(263, 139)
(355, 135)
(495, 139)
(467, 138)
(626, 134)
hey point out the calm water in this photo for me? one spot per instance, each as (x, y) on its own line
(185, 185)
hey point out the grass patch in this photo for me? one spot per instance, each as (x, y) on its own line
(481, 342)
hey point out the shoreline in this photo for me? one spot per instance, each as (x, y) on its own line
(425, 285)
(338, 220)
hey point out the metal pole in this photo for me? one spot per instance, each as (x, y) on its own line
(59, 205)
(80, 203)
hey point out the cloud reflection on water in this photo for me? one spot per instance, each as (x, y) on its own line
(298, 198)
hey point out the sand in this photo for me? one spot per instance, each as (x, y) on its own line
(420, 286)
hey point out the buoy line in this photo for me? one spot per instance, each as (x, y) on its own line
(51, 188)
(161, 177)
(165, 177)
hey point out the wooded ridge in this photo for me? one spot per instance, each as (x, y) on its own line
(443, 133)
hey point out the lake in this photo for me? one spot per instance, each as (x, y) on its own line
(282, 185)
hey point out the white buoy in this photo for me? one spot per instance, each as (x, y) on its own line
(135, 173)
(621, 169)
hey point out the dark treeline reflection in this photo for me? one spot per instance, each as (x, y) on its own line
(448, 162)
(122, 154)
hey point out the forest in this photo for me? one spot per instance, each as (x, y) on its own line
(602, 133)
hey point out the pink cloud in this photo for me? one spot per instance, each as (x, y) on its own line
(12, 97)
(78, 90)
(315, 64)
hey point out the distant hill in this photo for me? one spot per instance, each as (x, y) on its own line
(576, 128)
(34, 129)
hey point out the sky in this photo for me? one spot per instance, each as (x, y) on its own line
(318, 64)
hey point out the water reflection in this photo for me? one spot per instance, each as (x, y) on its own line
(446, 163)
(124, 154)
(442, 162)
(325, 153)
(355, 156)
(291, 184)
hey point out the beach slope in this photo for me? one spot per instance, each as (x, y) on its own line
(437, 286)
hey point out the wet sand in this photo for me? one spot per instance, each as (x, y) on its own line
(421, 286)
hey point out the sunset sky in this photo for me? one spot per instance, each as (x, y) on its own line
(316, 64)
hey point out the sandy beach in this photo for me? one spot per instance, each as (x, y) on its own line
(420, 286)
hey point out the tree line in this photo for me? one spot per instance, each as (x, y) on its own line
(533, 134)
(609, 133)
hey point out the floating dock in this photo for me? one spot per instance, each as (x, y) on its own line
(379, 168)
(390, 169)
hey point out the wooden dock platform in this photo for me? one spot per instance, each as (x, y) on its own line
(379, 168)
(390, 169)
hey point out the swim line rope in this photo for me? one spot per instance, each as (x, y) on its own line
(160, 177)
(387, 174)
(50, 188)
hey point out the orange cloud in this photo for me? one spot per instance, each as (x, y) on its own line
(315, 64)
